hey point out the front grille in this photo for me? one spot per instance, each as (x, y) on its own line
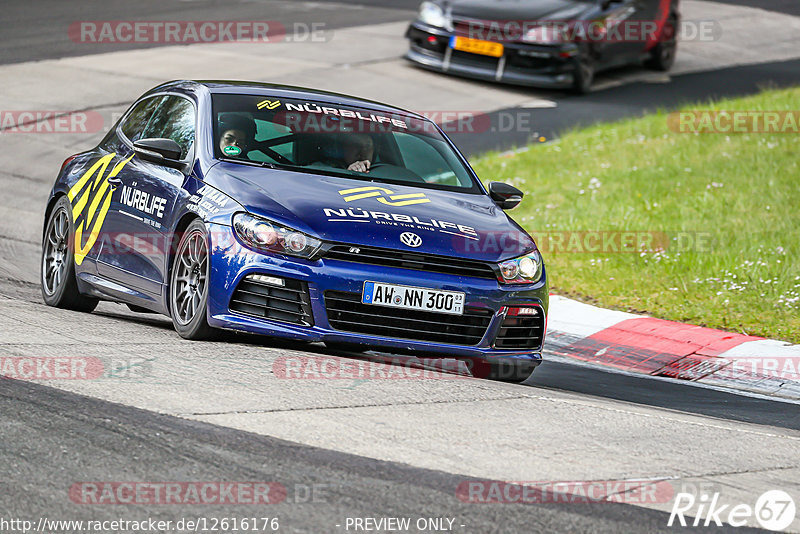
(411, 260)
(521, 331)
(474, 60)
(289, 304)
(474, 28)
(347, 313)
(529, 62)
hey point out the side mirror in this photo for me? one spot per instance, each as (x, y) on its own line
(504, 195)
(161, 151)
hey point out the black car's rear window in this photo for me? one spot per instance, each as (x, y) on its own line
(329, 139)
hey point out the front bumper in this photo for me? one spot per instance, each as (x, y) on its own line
(231, 263)
(531, 65)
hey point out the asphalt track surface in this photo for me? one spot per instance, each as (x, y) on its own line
(52, 437)
(72, 438)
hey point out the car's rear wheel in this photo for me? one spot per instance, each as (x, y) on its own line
(662, 56)
(188, 289)
(59, 287)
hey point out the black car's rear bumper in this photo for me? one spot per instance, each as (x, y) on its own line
(521, 64)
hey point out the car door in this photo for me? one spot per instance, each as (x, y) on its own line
(139, 239)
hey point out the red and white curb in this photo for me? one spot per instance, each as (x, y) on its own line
(656, 347)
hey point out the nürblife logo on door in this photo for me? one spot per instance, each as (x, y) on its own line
(91, 199)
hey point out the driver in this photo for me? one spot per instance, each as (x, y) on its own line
(353, 151)
(237, 132)
(359, 150)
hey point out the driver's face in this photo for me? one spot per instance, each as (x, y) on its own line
(233, 137)
(358, 148)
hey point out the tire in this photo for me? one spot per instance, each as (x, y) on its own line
(662, 56)
(503, 370)
(188, 288)
(57, 278)
(584, 74)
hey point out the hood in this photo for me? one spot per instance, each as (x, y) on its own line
(449, 223)
(519, 10)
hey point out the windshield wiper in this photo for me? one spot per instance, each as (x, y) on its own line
(265, 164)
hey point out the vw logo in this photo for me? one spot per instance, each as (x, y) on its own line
(410, 239)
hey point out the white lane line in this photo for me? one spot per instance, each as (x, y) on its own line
(539, 104)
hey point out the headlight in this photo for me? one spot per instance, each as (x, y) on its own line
(523, 270)
(544, 34)
(432, 14)
(262, 234)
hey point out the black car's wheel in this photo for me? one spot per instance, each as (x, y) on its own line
(584, 74)
(59, 287)
(662, 56)
(188, 289)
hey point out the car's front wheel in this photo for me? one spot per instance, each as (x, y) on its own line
(662, 56)
(188, 291)
(584, 74)
(504, 370)
(59, 287)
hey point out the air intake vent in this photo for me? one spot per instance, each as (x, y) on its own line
(264, 296)
(523, 328)
(347, 313)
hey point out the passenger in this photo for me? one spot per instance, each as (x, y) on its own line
(237, 133)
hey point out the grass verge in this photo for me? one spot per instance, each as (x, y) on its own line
(713, 219)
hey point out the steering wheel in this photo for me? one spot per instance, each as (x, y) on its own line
(396, 173)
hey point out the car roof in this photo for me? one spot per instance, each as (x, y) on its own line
(278, 90)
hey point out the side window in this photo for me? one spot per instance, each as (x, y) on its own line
(136, 122)
(174, 119)
(422, 158)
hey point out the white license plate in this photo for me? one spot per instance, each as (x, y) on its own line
(413, 298)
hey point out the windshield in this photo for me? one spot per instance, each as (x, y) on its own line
(328, 139)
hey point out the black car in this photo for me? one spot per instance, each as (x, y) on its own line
(543, 43)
